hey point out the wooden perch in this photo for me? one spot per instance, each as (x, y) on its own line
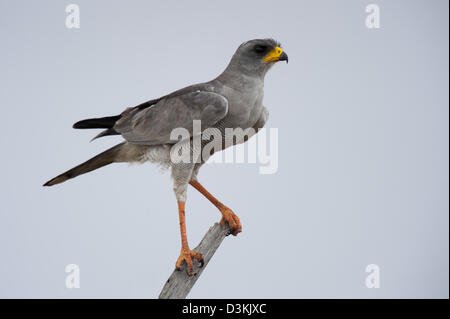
(179, 283)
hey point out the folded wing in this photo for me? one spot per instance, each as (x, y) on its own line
(153, 125)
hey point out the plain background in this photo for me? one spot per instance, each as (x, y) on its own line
(362, 116)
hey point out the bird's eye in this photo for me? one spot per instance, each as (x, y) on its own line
(260, 48)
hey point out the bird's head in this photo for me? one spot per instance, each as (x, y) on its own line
(257, 56)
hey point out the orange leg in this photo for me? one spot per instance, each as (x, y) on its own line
(227, 214)
(186, 254)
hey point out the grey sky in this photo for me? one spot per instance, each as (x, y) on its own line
(362, 116)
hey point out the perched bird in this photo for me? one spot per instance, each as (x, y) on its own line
(232, 100)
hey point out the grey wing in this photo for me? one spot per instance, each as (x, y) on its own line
(153, 125)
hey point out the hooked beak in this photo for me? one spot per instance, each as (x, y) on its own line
(284, 57)
(277, 54)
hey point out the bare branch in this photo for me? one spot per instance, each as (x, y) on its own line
(179, 283)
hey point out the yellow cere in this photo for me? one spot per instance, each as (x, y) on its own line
(273, 55)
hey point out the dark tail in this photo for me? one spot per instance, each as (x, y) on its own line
(101, 122)
(114, 154)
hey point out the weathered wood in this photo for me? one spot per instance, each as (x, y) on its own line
(179, 283)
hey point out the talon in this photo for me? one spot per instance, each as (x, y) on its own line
(232, 220)
(186, 255)
(227, 214)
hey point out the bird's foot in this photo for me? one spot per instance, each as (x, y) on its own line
(231, 219)
(187, 255)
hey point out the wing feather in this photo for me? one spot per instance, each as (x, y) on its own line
(153, 125)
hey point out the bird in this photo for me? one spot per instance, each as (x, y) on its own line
(234, 99)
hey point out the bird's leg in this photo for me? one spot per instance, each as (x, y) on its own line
(227, 214)
(186, 254)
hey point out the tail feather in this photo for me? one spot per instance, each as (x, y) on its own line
(107, 157)
(101, 122)
(106, 132)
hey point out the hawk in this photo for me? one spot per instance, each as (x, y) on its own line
(234, 100)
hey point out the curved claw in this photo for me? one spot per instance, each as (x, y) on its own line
(232, 220)
(187, 255)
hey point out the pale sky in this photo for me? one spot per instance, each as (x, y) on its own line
(362, 119)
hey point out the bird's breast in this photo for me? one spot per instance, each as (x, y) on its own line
(244, 106)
